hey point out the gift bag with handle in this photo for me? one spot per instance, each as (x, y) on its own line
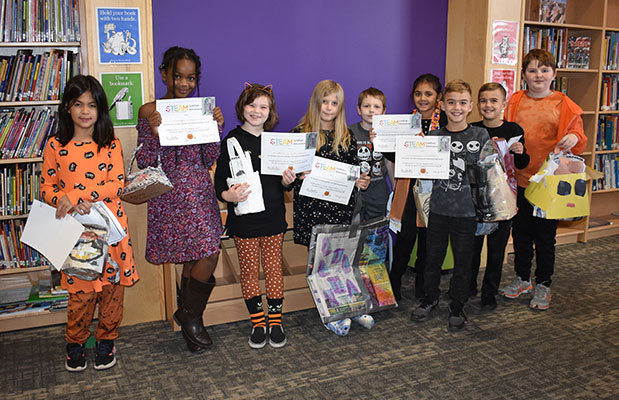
(242, 172)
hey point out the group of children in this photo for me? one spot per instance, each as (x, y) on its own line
(83, 164)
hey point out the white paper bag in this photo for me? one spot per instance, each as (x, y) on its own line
(242, 172)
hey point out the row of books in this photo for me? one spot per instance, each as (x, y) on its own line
(609, 165)
(578, 52)
(611, 51)
(608, 133)
(561, 84)
(609, 93)
(23, 132)
(39, 21)
(32, 77)
(550, 39)
(20, 185)
(13, 253)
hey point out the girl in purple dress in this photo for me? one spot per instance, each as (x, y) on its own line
(184, 225)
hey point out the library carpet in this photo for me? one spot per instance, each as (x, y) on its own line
(570, 351)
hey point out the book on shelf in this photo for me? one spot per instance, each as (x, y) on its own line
(552, 11)
(578, 52)
(611, 51)
(609, 165)
(609, 93)
(23, 131)
(39, 21)
(35, 77)
(13, 253)
(561, 84)
(19, 187)
(607, 133)
(550, 39)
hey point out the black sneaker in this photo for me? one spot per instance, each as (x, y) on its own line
(258, 338)
(104, 357)
(424, 311)
(488, 303)
(457, 318)
(76, 361)
(277, 337)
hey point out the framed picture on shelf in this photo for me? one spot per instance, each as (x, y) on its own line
(552, 11)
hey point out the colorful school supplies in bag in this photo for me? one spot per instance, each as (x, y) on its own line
(145, 184)
(559, 189)
(493, 197)
(243, 172)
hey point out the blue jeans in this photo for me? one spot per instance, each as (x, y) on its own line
(461, 232)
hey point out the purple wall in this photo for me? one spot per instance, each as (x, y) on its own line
(295, 44)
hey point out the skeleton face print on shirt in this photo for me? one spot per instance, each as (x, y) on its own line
(462, 153)
(364, 153)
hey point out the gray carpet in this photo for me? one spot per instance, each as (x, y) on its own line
(568, 352)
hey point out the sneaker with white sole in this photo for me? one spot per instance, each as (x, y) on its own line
(340, 327)
(516, 288)
(541, 297)
(258, 338)
(424, 311)
(277, 337)
(76, 360)
(364, 320)
(104, 356)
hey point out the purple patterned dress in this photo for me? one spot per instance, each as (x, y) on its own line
(183, 224)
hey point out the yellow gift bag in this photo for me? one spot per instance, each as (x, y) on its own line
(559, 190)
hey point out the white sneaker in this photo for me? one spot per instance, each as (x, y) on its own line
(516, 288)
(364, 320)
(541, 298)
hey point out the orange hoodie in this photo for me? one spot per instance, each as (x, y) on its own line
(538, 146)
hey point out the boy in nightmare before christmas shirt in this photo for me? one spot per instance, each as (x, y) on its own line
(452, 213)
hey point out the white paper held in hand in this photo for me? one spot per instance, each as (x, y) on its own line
(54, 238)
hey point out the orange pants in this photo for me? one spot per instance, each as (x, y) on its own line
(81, 310)
(254, 251)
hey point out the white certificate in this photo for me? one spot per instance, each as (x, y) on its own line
(422, 157)
(282, 151)
(187, 121)
(330, 180)
(389, 127)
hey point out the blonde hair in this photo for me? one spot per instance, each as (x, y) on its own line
(310, 122)
(459, 86)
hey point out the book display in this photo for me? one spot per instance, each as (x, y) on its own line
(40, 50)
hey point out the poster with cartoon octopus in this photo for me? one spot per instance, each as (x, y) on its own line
(118, 35)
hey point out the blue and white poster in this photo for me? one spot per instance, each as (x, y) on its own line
(118, 33)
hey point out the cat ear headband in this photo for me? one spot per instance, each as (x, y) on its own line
(267, 88)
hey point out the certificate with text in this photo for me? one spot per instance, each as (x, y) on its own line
(281, 151)
(422, 157)
(388, 127)
(187, 121)
(330, 180)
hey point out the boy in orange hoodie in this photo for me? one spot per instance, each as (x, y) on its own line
(551, 122)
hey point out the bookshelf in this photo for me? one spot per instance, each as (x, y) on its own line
(470, 22)
(37, 56)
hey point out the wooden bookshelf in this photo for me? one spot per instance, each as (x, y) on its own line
(469, 40)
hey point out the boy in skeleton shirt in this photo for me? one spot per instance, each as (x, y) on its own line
(452, 213)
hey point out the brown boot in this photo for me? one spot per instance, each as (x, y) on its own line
(189, 317)
(181, 292)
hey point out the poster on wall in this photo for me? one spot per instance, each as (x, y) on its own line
(504, 42)
(124, 96)
(118, 35)
(507, 79)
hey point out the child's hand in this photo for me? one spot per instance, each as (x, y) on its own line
(288, 177)
(154, 120)
(237, 193)
(83, 207)
(63, 207)
(363, 182)
(517, 148)
(218, 116)
(570, 140)
(372, 135)
(302, 175)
